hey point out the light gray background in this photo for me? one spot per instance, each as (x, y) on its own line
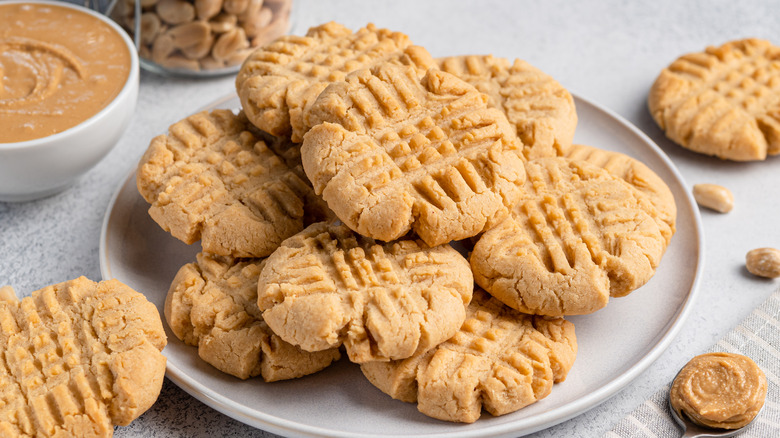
(606, 51)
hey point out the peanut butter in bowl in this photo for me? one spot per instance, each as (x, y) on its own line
(719, 390)
(69, 80)
(59, 66)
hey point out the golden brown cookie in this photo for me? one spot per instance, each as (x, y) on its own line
(78, 358)
(654, 193)
(280, 80)
(578, 236)
(327, 286)
(212, 304)
(724, 101)
(390, 152)
(538, 106)
(500, 360)
(314, 209)
(211, 179)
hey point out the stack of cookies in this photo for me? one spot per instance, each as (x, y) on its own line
(335, 209)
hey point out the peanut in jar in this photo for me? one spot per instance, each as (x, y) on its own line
(201, 37)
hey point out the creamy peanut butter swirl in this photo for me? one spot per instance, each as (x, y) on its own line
(59, 66)
(719, 390)
(39, 71)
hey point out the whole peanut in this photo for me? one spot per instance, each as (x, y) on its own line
(714, 197)
(228, 43)
(254, 25)
(199, 50)
(162, 47)
(150, 26)
(277, 27)
(251, 10)
(180, 62)
(223, 23)
(189, 34)
(175, 11)
(235, 7)
(206, 9)
(764, 262)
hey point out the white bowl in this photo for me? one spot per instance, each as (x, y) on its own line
(41, 167)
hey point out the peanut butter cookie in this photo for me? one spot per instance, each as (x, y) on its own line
(328, 286)
(390, 152)
(500, 360)
(280, 80)
(724, 101)
(78, 358)
(211, 179)
(315, 209)
(653, 194)
(538, 106)
(578, 236)
(212, 304)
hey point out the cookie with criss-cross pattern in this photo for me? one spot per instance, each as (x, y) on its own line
(328, 286)
(211, 178)
(653, 193)
(578, 236)
(538, 106)
(78, 358)
(724, 101)
(212, 304)
(392, 152)
(500, 360)
(280, 80)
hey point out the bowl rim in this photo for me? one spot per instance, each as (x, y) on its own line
(130, 83)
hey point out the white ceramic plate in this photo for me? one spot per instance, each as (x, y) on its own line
(616, 343)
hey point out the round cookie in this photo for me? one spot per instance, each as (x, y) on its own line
(541, 110)
(211, 179)
(723, 101)
(578, 236)
(390, 152)
(79, 357)
(327, 286)
(653, 191)
(212, 304)
(279, 81)
(500, 360)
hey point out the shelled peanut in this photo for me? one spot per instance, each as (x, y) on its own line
(200, 35)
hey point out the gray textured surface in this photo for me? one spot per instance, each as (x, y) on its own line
(606, 51)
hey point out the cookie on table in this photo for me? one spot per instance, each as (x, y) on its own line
(328, 286)
(213, 180)
(500, 360)
(541, 110)
(578, 236)
(212, 304)
(392, 152)
(723, 102)
(79, 357)
(652, 189)
(278, 81)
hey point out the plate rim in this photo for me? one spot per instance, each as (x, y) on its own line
(282, 426)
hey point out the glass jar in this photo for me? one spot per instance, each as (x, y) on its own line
(201, 37)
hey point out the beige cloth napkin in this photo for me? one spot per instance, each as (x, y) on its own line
(757, 337)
